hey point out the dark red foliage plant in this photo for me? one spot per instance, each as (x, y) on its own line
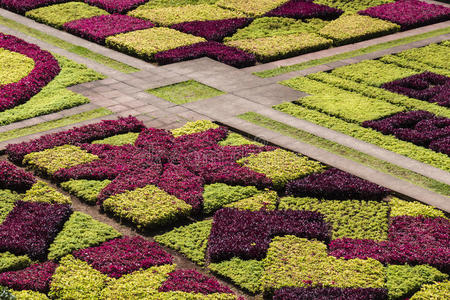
(35, 277)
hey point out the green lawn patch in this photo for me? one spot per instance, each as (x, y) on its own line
(185, 92)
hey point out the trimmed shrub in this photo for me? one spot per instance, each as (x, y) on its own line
(190, 240)
(150, 207)
(75, 279)
(117, 6)
(310, 266)
(252, 8)
(438, 290)
(419, 66)
(348, 218)
(7, 203)
(235, 139)
(147, 42)
(51, 160)
(59, 14)
(246, 234)
(98, 28)
(305, 9)
(350, 6)
(35, 277)
(122, 256)
(11, 262)
(87, 190)
(190, 281)
(119, 140)
(23, 5)
(434, 55)
(42, 192)
(281, 166)
(325, 293)
(14, 66)
(244, 273)
(218, 195)
(287, 45)
(29, 295)
(80, 231)
(401, 207)
(13, 178)
(194, 127)
(263, 201)
(355, 28)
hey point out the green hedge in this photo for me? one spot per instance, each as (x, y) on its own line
(59, 14)
(29, 295)
(244, 273)
(293, 261)
(354, 28)
(168, 16)
(51, 160)
(42, 192)
(388, 142)
(251, 8)
(194, 127)
(79, 232)
(436, 291)
(401, 207)
(146, 43)
(350, 218)
(352, 6)
(14, 66)
(147, 207)
(413, 64)
(86, 190)
(278, 47)
(404, 280)
(217, 195)
(433, 55)
(266, 200)
(281, 165)
(190, 240)
(275, 26)
(119, 140)
(7, 204)
(75, 279)
(11, 262)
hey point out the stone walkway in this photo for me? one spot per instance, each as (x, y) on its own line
(124, 94)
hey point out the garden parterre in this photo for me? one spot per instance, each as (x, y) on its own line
(232, 28)
(272, 211)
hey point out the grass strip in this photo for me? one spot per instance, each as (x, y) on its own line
(81, 51)
(348, 153)
(350, 54)
(92, 114)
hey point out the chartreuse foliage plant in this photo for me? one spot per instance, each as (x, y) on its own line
(194, 127)
(170, 3)
(252, 8)
(293, 261)
(186, 92)
(14, 66)
(51, 160)
(401, 207)
(7, 204)
(147, 42)
(6, 294)
(217, 195)
(42, 192)
(266, 200)
(357, 219)
(11, 262)
(404, 280)
(281, 166)
(433, 291)
(244, 273)
(350, 6)
(433, 55)
(190, 240)
(75, 279)
(167, 16)
(87, 190)
(119, 140)
(79, 232)
(147, 207)
(236, 139)
(59, 14)
(28, 295)
(416, 65)
(354, 28)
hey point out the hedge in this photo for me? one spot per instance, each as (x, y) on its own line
(355, 28)
(194, 127)
(401, 207)
(147, 42)
(119, 140)
(436, 291)
(80, 231)
(42, 192)
(13, 178)
(118, 6)
(263, 201)
(413, 64)
(11, 262)
(252, 8)
(7, 204)
(150, 207)
(352, 6)
(18, 66)
(29, 295)
(305, 9)
(433, 55)
(86, 190)
(191, 281)
(59, 14)
(287, 45)
(235, 139)
(190, 240)
(218, 195)
(36, 277)
(325, 293)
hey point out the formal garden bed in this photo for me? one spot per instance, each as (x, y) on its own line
(270, 221)
(238, 32)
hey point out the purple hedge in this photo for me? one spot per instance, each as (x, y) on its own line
(303, 9)
(13, 178)
(213, 30)
(247, 234)
(426, 86)
(418, 127)
(409, 13)
(35, 277)
(191, 281)
(116, 6)
(124, 255)
(31, 227)
(21, 6)
(327, 293)
(98, 28)
(225, 54)
(83, 134)
(45, 69)
(412, 240)
(335, 184)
